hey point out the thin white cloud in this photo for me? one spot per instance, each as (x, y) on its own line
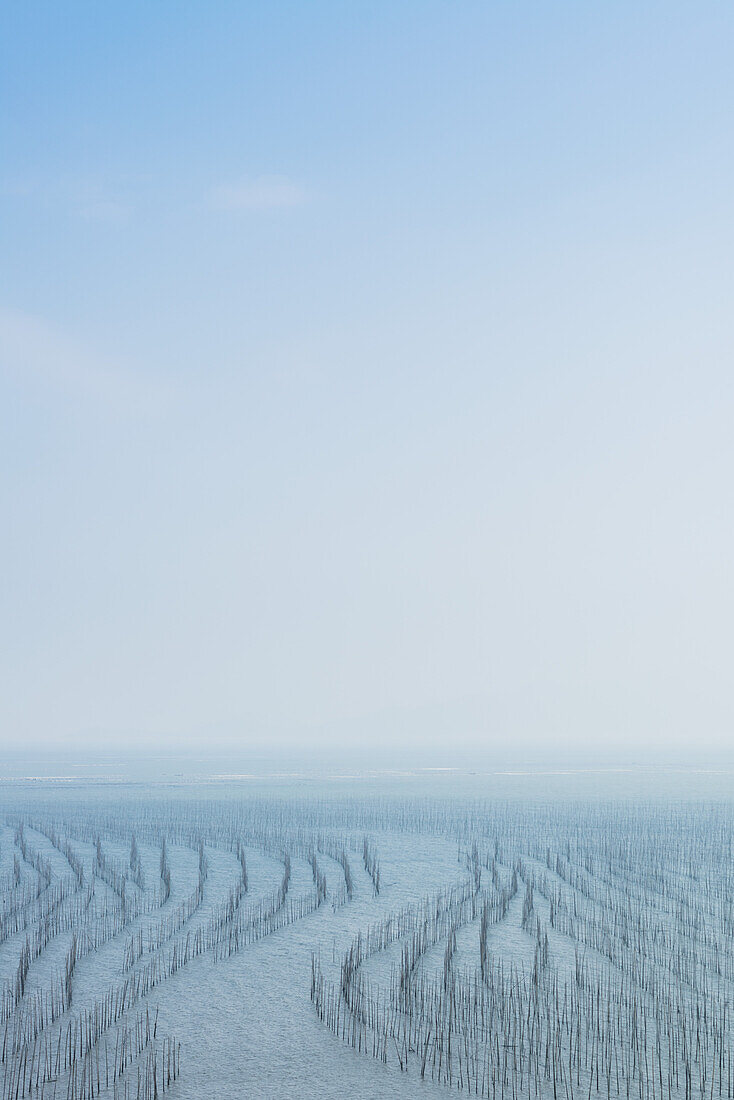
(39, 353)
(260, 193)
(84, 197)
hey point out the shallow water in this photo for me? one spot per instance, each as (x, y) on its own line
(610, 879)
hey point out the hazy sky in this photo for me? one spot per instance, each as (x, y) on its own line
(367, 373)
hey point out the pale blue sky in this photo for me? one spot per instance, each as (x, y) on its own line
(366, 373)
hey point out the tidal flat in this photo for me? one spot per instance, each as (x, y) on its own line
(565, 934)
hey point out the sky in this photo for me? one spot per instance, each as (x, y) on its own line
(366, 375)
